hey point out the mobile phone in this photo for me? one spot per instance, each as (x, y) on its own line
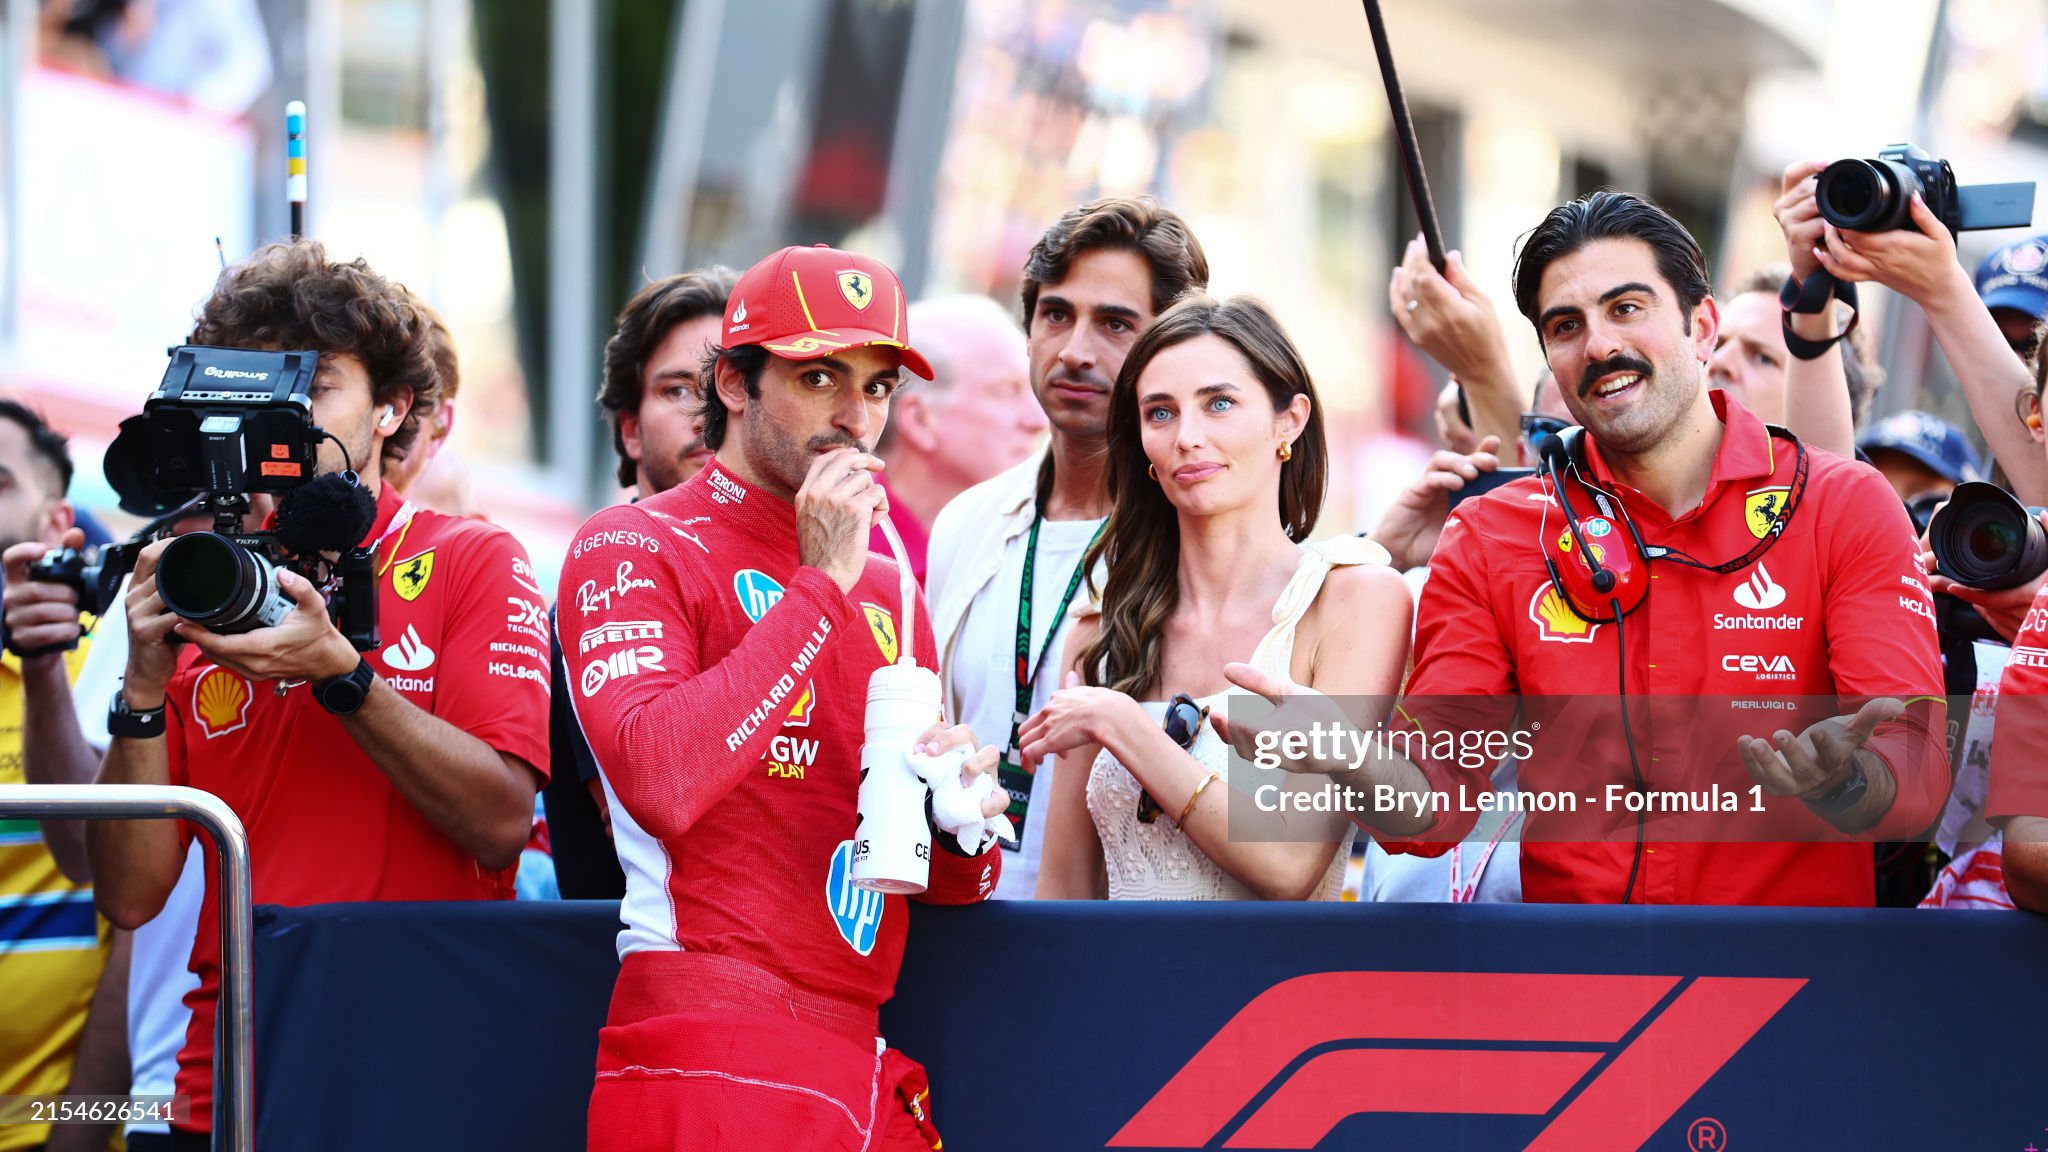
(1487, 482)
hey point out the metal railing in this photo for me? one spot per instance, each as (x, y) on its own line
(234, 1068)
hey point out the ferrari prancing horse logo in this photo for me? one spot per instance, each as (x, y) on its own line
(409, 578)
(1763, 508)
(858, 288)
(883, 626)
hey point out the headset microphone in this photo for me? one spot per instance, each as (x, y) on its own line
(1556, 454)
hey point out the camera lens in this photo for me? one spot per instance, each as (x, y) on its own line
(1865, 195)
(215, 582)
(1985, 539)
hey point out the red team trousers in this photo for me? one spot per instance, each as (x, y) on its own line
(732, 1057)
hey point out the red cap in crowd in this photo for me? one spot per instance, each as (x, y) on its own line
(807, 303)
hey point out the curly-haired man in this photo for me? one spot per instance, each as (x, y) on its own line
(404, 773)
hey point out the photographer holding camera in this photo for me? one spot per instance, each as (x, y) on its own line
(1989, 552)
(1878, 226)
(404, 772)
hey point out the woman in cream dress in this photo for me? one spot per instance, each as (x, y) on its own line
(1217, 468)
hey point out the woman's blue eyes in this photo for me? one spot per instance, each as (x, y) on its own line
(1216, 404)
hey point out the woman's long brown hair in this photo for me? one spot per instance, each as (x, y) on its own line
(1141, 542)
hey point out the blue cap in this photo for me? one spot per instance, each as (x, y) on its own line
(1926, 438)
(2016, 277)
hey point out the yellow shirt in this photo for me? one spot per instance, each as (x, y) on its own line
(52, 943)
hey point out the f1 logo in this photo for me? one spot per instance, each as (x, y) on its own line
(1688, 1037)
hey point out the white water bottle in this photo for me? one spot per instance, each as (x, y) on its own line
(892, 847)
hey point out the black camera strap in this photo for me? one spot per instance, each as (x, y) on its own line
(1813, 298)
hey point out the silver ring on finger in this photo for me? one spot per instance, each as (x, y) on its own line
(1413, 304)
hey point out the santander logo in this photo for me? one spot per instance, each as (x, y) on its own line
(409, 653)
(1759, 593)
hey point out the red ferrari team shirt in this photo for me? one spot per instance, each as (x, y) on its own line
(464, 636)
(1836, 606)
(723, 688)
(2019, 772)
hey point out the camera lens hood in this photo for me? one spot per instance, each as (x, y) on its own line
(1984, 538)
(214, 581)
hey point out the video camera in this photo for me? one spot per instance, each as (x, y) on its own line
(223, 424)
(1874, 195)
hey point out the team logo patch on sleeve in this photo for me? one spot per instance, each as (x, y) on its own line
(1762, 508)
(220, 699)
(1555, 620)
(409, 577)
(883, 626)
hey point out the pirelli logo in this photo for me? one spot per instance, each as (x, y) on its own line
(618, 632)
(1608, 1058)
(2028, 656)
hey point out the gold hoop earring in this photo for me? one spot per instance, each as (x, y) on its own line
(1152, 471)
(1286, 451)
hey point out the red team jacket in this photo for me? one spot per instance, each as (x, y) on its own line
(723, 691)
(1836, 606)
(464, 636)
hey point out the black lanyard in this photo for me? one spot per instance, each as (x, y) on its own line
(1027, 670)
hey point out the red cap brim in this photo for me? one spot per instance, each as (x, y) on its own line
(818, 345)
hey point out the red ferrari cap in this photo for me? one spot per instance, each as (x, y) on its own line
(806, 303)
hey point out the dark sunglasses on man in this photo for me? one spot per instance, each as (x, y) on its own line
(1184, 720)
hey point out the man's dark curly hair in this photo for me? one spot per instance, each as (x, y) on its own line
(1123, 224)
(290, 296)
(644, 323)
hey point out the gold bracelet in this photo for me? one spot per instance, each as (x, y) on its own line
(1197, 795)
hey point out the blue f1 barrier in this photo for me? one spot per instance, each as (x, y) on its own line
(1152, 1026)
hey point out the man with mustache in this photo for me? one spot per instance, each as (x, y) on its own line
(652, 394)
(1618, 292)
(1092, 283)
(722, 636)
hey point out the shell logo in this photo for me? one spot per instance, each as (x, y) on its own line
(220, 699)
(1555, 619)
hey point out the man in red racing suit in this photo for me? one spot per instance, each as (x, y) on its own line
(719, 639)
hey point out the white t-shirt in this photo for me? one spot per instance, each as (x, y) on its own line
(982, 680)
(104, 665)
(158, 973)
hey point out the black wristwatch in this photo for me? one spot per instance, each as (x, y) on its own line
(133, 723)
(1843, 796)
(344, 694)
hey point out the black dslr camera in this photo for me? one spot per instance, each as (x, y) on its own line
(225, 423)
(1873, 195)
(1983, 538)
